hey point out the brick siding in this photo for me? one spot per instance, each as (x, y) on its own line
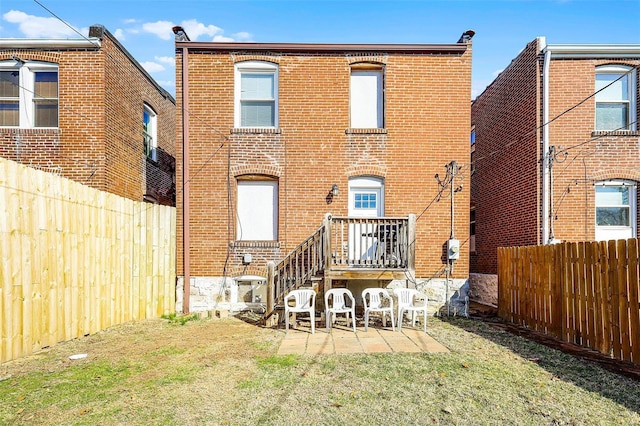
(98, 141)
(507, 184)
(427, 116)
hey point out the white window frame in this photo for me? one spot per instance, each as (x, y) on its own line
(150, 149)
(254, 67)
(26, 81)
(631, 78)
(257, 210)
(608, 232)
(366, 98)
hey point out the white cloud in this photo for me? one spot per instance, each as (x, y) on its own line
(162, 29)
(129, 21)
(193, 28)
(170, 60)
(242, 36)
(196, 29)
(166, 83)
(37, 26)
(152, 67)
(497, 72)
(119, 34)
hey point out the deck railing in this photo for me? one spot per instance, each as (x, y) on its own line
(369, 242)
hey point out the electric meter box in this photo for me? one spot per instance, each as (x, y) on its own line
(453, 249)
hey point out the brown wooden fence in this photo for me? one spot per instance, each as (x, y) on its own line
(582, 293)
(74, 260)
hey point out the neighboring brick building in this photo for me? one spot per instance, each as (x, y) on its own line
(273, 127)
(556, 157)
(87, 110)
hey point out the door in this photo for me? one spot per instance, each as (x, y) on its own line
(365, 201)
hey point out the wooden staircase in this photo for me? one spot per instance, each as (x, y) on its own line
(328, 254)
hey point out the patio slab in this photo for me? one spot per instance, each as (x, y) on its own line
(342, 340)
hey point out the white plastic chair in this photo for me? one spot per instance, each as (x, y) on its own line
(410, 300)
(304, 301)
(375, 303)
(335, 302)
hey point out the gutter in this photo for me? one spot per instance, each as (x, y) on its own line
(43, 43)
(181, 35)
(545, 141)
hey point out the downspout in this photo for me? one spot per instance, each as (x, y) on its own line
(545, 141)
(186, 234)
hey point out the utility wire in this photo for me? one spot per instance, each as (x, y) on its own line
(533, 131)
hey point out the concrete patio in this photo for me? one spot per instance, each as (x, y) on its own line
(342, 340)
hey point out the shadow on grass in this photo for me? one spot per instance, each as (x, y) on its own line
(582, 372)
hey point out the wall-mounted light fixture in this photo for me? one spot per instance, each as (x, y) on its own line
(334, 190)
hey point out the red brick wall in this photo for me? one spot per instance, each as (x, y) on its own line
(505, 185)
(594, 157)
(99, 138)
(427, 120)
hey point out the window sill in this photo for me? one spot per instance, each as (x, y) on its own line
(376, 131)
(255, 130)
(255, 244)
(615, 133)
(25, 130)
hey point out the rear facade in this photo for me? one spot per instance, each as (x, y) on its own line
(280, 142)
(557, 149)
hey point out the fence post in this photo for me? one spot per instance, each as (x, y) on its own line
(271, 286)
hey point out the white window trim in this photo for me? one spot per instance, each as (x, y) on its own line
(153, 116)
(633, 187)
(618, 69)
(254, 66)
(26, 94)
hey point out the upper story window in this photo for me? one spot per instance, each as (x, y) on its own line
(615, 98)
(256, 94)
(150, 132)
(367, 96)
(28, 94)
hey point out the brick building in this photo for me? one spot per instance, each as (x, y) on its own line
(272, 137)
(557, 149)
(87, 110)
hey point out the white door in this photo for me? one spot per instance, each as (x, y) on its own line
(365, 200)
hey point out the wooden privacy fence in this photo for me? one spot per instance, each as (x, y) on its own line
(75, 260)
(582, 293)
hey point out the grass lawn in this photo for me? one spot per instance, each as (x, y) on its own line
(226, 372)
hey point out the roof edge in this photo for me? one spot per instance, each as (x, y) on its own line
(324, 47)
(594, 50)
(38, 43)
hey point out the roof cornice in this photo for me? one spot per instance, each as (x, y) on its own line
(45, 43)
(593, 50)
(323, 48)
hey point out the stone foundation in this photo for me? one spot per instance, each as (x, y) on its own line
(220, 293)
(483, 288)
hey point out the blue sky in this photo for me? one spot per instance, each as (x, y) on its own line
(502, 28)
